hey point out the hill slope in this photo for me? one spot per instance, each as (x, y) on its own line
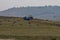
(46, 12)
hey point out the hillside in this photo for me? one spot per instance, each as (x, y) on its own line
(43, 12)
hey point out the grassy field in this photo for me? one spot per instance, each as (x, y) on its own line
(36, 29)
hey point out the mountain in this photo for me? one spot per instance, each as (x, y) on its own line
(43, 12)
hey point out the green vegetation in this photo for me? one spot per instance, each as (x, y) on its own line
(15, 27)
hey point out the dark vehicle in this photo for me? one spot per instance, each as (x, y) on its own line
(28, 18)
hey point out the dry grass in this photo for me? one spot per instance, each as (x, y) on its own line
(18, 27)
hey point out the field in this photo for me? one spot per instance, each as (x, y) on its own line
(36, 29)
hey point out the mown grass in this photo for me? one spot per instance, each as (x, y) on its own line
(18, 28)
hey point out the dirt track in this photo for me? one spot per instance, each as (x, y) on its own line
(7, 39)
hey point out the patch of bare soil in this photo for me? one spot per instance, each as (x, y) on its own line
(7, 39)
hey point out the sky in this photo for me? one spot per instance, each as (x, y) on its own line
(5, 4)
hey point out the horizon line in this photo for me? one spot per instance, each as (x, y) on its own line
(32, 6)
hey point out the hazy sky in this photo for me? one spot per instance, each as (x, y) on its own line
(5, 4)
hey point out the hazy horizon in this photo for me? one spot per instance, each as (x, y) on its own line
(5, 4)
